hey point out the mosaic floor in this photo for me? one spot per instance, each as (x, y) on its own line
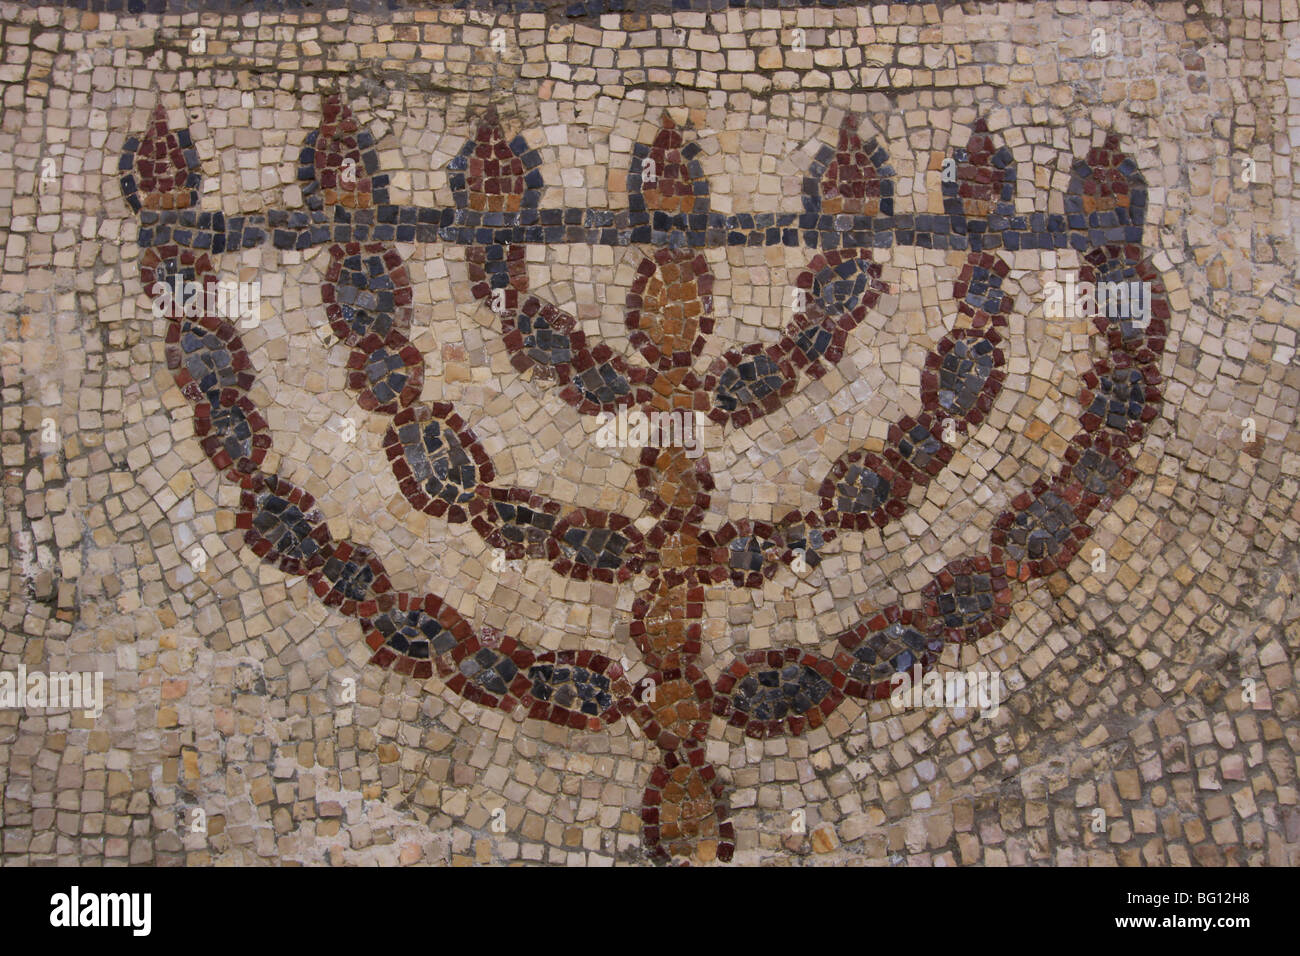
(587, 436)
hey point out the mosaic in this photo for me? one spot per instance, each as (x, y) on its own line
(624, 446)
(443, 469)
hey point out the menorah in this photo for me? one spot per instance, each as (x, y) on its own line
(443, 470)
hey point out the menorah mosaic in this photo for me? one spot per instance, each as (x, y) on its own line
(579, 434)
(443, 470)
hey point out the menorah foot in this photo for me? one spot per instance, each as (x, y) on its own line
(684, 816)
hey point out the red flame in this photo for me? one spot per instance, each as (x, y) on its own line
(494, 174)
(851, 183)
(340, 168)
(672, 190)
(161, 167)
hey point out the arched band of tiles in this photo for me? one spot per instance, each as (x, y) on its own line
(213, 371)
(837, 290)
(749, 552)
(894, 640)
(962, 377)
(367, 298)
(438, 462)
(443, 470)
(545, 339)
(770, 693)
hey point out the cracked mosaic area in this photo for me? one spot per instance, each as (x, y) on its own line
(921, 368)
